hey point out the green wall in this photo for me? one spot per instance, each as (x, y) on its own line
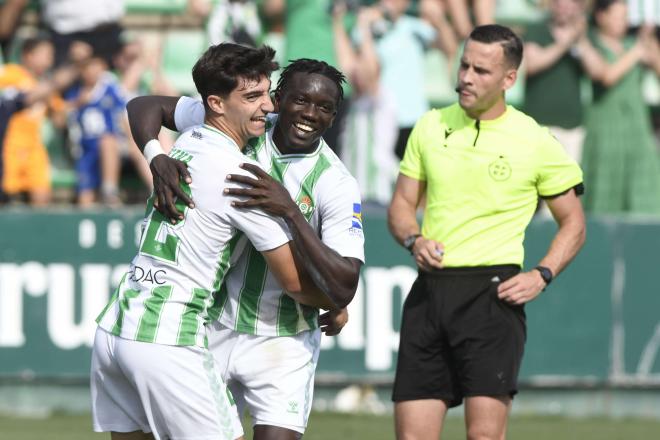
(598, 323)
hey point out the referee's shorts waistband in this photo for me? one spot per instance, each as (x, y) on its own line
(469, 270)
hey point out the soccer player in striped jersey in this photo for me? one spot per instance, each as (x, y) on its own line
(153, 375)
(269, 342)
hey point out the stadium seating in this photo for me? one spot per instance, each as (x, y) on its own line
(155, 6)
(181, 49)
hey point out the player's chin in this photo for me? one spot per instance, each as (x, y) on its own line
(257, 128)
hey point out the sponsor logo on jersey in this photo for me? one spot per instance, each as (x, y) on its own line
(146, 275)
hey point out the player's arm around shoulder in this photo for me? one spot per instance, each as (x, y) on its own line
(258, 206)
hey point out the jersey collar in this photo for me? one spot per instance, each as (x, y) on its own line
(217, 133)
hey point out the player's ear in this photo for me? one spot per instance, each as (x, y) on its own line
(216, 104)
(510, 78)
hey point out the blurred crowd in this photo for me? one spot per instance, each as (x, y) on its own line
(589, 71)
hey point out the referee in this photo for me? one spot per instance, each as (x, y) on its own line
(481, 166)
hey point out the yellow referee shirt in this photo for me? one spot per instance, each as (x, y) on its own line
(483, 179)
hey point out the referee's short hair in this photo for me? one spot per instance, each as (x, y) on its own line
(495, 33)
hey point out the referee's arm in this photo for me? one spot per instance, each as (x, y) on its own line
(402, 221)
(567, 212)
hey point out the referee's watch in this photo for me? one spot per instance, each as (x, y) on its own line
(410, 240)
(546, 274)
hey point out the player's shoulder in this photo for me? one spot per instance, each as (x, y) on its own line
(335, 165)
(336, 175)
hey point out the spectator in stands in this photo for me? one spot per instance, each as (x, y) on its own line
(400, 44)
(460, 14)
(370, 132)
(96, 23)
(642, 12)
(10, 14)
(95, 129)
(620, 159)
(234, 21)
(13, 100)
(139, 73)
(26, 164)
(554, 52)
(308, 27)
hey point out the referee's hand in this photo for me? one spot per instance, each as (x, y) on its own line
(521, 288)
(428, 254)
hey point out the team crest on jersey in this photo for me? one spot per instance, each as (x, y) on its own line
(499, 170)
(305, 205)
(356, 221)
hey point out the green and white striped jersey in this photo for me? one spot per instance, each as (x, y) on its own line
(166, 295)
(327, 195)
(368, 141)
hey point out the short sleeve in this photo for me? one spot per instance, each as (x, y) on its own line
(118, 97)
(341, 218)
(188, 113)
(412, 164)
(557, 171)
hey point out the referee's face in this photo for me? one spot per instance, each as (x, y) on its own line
(307, 107)
(483, 76)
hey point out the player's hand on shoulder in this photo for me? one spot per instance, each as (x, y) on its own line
(264, 192)
(333, 321)
(167, 174)
(428, 254)
(521, 288)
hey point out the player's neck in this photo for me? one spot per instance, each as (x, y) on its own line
(219, 125)
(493, 112)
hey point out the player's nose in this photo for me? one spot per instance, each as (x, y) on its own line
(267, 105)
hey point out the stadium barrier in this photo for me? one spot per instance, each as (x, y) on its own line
(597, 325)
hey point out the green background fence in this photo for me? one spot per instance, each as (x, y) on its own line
(599, 323)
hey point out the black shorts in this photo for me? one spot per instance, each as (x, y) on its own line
(458, 339)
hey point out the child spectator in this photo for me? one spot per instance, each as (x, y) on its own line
(95, 129)
(26, 164)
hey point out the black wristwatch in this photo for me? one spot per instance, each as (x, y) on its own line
(410, 240)
(546, 274)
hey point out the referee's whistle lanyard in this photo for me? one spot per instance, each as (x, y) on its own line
(477, 125)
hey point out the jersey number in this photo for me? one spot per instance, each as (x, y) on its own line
(151, 245)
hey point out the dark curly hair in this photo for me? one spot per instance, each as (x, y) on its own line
(306, 65)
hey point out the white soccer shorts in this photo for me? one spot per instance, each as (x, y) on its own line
(271, 376)
(173, 392)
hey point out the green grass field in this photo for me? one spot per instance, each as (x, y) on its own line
(327, 426)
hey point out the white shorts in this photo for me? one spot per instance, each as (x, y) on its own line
(173, 392)
(273, 376)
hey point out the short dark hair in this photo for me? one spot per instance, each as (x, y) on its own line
(306, 65)
(495, 33)
(32, 43)
(602, 5)
(220, 68)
